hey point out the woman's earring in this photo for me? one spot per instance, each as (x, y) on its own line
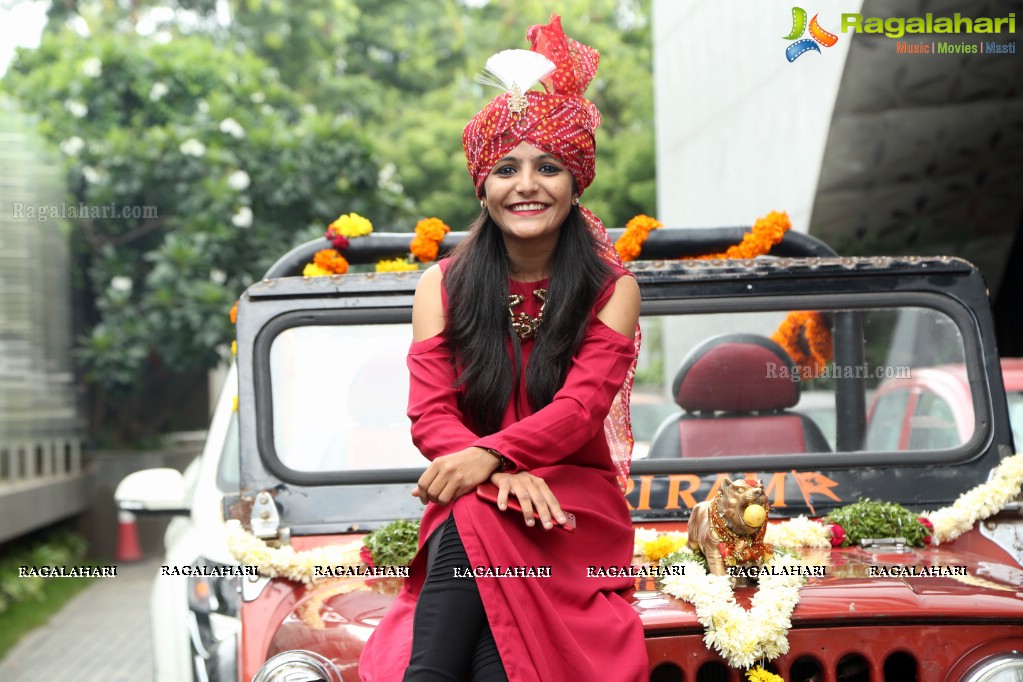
(575, 200)
(483, 203)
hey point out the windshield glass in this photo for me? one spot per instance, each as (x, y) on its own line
(707, 385)
(1016, 417)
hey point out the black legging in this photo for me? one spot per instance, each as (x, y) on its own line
(451, 638)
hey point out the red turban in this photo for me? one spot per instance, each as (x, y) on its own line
(559, 121)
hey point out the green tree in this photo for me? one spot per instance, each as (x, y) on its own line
(209, 167)
(247, 133)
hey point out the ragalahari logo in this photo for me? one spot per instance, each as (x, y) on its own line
(818, 36)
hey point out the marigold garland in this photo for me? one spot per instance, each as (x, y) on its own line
(766, 232)
(630, 244)
(805, 336)
(430, 233)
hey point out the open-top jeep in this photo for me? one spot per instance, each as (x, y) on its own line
(754, 369)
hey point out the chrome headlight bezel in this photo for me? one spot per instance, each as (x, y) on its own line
(296, 661)
(991, 668)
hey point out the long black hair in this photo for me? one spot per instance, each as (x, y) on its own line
(478, 327)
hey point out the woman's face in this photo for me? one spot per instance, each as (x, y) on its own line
(528, 193)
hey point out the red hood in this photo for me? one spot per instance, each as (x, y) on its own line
(990, 590)
(336, 616)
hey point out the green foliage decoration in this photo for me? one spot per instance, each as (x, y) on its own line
(394, 544)
(872, 519)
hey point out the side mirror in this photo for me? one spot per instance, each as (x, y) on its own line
(160, 491)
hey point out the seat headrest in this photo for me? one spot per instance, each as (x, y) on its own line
(736, 373)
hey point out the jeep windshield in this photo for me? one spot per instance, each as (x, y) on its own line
(714, 392)
(350, 414)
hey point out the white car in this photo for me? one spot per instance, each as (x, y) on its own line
(194, 618)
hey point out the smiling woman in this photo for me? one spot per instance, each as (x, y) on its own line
(528, 195)
(523, 357)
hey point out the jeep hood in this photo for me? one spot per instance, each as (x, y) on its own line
(985, 585)
(336, 616)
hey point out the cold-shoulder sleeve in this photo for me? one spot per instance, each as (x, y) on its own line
(577, 412)
(438, 426)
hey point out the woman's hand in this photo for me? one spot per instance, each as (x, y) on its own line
(451, 476)
(532, 493)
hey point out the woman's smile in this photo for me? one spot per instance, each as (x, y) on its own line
(529, 194)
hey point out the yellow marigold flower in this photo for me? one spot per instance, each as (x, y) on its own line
(661, 546)
(314, 270)
(396, 265)
(758, 674)
(234, 348)
(234, 404)
(352, 225)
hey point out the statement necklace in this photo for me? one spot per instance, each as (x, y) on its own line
(524, 324)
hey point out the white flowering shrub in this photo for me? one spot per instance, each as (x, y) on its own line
(205, 162)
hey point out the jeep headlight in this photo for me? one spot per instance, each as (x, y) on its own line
(1000, 668)
(298, 666)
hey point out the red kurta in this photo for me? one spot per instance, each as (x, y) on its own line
(570, 626)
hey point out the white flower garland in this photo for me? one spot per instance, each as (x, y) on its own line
(741, 637)
(979, 503)
(797, 533)
(285, 562)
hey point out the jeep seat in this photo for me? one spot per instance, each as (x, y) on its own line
(735, 391)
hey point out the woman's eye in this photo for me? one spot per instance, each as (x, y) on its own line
(504, 170)
(550, 169)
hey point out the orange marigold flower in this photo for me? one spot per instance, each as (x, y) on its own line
(630, 244)
(430, 233)
(766, 232)
(806, 338)
(331, 261)
(432, 228)
(234, 313)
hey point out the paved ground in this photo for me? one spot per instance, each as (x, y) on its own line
(102, 635)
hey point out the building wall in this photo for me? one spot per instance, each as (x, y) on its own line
(740, 130)
(38, 395)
